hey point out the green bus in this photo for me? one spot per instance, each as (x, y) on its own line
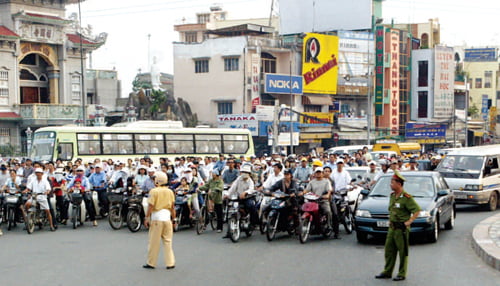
(137, 139)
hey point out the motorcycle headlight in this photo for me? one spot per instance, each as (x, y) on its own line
(363, 213)
(424, 214)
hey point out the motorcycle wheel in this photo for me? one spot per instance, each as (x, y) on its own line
(263, 224)
(134, 221)
(115, 219)
(11, 217)
(179, 220)
(249, 231)
(234, 229)
(200, 221)
(272, 226)
(30, 222)
(74, 217)
(348, 221)
(305, 227)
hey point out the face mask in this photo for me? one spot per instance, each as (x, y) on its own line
(59, 177)
(189, 177)
(169, 171)
(245, 176)
(177, 163)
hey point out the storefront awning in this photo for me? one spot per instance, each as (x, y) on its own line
(10, 116)
(317, 100)
(479, 133)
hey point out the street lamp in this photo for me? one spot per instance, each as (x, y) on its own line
(29, 132)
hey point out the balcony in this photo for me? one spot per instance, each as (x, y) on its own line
(49, 114)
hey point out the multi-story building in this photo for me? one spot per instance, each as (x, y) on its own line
(40, 70)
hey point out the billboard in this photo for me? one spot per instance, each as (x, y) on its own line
(319, 64)
(425, 131)
(305, 16)
(239, 121)
(266, 128)
(444, 81)
(379, 70)
(393, 48)
(316, 115)
(356, 57)
(481, 55)
(255, 79)
(286, 84)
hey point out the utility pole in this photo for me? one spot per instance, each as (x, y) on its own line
(454, 126)
(275, 126)
(291, 106)
(82, 69)
(466, 112)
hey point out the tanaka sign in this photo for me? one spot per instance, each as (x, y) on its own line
(320, 66)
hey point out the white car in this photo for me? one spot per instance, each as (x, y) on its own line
(358, 173)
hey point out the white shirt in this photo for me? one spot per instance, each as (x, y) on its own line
(161, 215)
(39, 187)
(341, 179)
(272, 179)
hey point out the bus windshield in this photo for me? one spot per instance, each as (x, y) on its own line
(43, 146)
(460, 163)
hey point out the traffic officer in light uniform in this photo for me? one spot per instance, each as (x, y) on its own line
(403, 210)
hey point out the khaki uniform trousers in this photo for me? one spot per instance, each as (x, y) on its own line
(160, 230)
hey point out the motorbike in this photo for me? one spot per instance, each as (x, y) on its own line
(312, 221)
(76, 200)
(136, 213)
(280, 216)
(263, 201)
(35, 216)
(345, 214)
(13, 214)
(182, 210)
(118, 207)
(239, 217)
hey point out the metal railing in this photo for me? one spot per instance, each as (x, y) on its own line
(50, 111)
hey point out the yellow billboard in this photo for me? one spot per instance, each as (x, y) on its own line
(312, 118)
(319, 63)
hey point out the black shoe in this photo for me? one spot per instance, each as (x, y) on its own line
(170, 267)
(399, 278)
(336, 236)
(225, 236)
(52, 228)
(147, 266)
(383, 276)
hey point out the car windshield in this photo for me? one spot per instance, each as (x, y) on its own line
(355, 173)
(460, 163)
(417, 186)
(43, 146)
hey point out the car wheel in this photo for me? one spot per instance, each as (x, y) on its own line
(433, 235)
(450, 224)
(493, 202)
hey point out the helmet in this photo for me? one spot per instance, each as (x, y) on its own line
(383, 162)
(317, 163)
(161, 179)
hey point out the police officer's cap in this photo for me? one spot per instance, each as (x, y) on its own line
(398, 177)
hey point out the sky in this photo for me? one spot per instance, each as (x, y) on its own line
(128, 24)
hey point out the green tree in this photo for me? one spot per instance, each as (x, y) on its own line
(473, 110)
(158, 99)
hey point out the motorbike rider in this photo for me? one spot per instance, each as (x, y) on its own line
(289, 186)
(87, 196)
(340, 176)
(149, 183)
(230, 174)
(59, 186)
(371, 173)
(98, 181)
(215, 186)
(275, 176)
(242, 187)
(13, 185)
(322, 187)
(384, 165)
(119, 177)
(41, 187)
(303, 172)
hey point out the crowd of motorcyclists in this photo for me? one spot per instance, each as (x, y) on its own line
(251, 180)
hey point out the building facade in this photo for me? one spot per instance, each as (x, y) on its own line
(40, 66)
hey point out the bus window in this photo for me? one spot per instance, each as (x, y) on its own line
(117, 144)
(89, 144)
(179, 143)
(149, 143)
(66, 151)
(207, 143)
(235, 144)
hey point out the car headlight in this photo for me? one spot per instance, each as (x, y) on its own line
(424, 214)
(363, 213)
(473, 187)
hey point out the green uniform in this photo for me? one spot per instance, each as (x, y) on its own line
(400, 210)
(216, 187)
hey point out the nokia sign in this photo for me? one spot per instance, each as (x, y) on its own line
(278, 83)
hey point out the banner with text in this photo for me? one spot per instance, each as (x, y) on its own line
(239, 121)
(284, 84)
(444, 82)
(379, 71)
(320, 66)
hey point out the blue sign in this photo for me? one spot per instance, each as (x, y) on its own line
(279, 83)
(423, 131)
(265, 127)
(481, 55)
(484, 107)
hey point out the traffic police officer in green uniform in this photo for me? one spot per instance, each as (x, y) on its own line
(403, 210)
